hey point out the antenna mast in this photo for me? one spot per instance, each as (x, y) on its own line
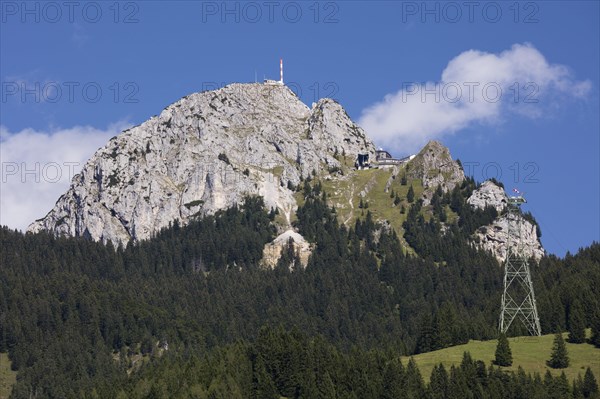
(518, 299)
(281, 70)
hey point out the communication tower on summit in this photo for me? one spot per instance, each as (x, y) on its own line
(281, 70)
(280, 81)
(518, 299)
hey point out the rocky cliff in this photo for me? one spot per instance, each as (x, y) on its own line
(494, 237)
(434, 166)
(488, 194)
(203, 153)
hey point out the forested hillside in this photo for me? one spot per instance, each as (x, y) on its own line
(191, 307)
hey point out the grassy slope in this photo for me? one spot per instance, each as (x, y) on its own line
(345, 189)
(7, 376)
(345, 194)
(530, 353)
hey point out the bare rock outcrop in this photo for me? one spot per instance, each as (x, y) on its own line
(272, 251)
(494, 237)
(201, 154)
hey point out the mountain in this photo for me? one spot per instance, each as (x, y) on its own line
(209, 150)
(203, 153)
(321, 261)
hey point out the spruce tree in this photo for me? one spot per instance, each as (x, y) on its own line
(559, 359)
(503, 352)
(578, 388)
(439, 384)
(590, 386)
(263, 386)
(560, 388)
(393, 380)
(576, 324)
(325, 386)
(410, 196)
(415, 387)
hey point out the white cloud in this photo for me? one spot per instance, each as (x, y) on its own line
(37, 167)
(475, 87)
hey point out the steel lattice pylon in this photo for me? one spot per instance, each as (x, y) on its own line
(518, 299)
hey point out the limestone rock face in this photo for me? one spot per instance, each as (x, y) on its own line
(203, 153)
(272, 251)
(488, 194)
(434, 166)
(494, 237)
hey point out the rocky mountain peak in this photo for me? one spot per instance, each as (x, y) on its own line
(434, 166)
(203, 153)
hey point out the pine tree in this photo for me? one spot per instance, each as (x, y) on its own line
(576, 324)
(425, 342)
(561, 387)
(410, 196)
(263, 386)
(559, 359)
(578, 388)
(503, 352)
(590, 386)
(308, 389)
(415, 387)
(458, 387)
(439, 384)
(326, 387)
(393, 380)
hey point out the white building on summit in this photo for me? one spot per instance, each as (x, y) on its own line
(382, 159)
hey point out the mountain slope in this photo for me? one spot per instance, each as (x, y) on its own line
(203, 153)
(209, 150)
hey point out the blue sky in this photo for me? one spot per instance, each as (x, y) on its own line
(74, 77)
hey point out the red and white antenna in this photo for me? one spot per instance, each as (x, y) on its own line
(281, 70)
